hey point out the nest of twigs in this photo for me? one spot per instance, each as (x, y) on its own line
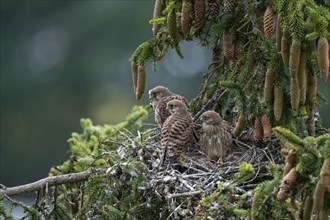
(186, 183)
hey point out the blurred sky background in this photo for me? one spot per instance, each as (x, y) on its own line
(65, 60)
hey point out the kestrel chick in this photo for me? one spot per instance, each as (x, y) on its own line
(177, 130)
(159, 97)
(215, 135)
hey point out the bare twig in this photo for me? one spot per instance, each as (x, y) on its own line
(185, 194)
(217, 95)
(51, 181)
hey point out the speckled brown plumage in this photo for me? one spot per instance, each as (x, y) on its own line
(215, 135)
(177, 131)
(159, 97)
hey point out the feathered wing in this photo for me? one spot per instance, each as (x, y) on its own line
(176, 134)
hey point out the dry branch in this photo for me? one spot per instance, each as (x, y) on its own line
(215, 98)
(52, 181)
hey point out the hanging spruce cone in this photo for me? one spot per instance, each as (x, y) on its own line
(258, 131)
(325, 175)
(278, 34)
(323, 57)
(185, 17)
(240, 126)
(134, 68)
(227, 45)
(158, 8)
(268, 87)
(214, 9)
(285, 47)
(269, 22)
(289, 162)
(318, 197)
(302, 77)
(141, 82)
(308, 208)
(294, 58)
(278, 101)
(266, 126)
(311, 90)
(171, 25)
(229, 5)
(199, 8)
(294, 67)
(294, 94)
(287, 184)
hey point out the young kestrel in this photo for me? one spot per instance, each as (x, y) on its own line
(177, 130)
(215, 135)
(159, 97)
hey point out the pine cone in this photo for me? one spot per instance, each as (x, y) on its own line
(285, 47)
(289, 162)
(227, 45)
(258, 131)
(171, 25)
(134, 68)
(325, 174)
(318, 197)
(294, 94)
(269, 22)
(229, 5)
(278, 101)
(185, 17)
(287, 183)
(141, 82)
(266, 126)
(240, 126)
(158, 8)
(323, 57)
(294, 58)
(214, 9)
(302, 77)
(308, 208)
(278, 34)
(268, 87)
(199, 8)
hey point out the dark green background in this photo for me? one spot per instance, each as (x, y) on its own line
(64, 60)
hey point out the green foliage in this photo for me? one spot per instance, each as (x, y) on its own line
(224, 202)
(246, 171)
(102, 195)
(267, 204)
(125, 191)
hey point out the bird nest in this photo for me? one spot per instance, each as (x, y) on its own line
(192, 186)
